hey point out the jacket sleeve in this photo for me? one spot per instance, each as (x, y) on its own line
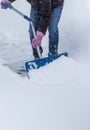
(45, 14)
(11, 0)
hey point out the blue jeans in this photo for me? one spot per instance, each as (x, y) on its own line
(52, 28)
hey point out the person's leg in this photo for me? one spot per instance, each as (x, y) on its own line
(35, 19)
(53, 30)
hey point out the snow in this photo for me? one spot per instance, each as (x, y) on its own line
(46, 101)
(57, 96)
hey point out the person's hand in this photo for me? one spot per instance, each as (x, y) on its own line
(5, 2)
(37, 40)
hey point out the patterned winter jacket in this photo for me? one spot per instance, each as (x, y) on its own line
(45, 9)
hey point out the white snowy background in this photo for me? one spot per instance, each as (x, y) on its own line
(57, 97)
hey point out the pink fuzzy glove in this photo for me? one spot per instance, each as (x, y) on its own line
(5, 2)
(37, 40)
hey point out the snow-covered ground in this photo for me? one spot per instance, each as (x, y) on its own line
(57, 96)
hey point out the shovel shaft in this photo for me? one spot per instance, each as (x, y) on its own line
(30, 21)
(33, 30)
(20, 13)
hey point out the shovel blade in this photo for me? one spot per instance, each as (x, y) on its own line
(36, 64)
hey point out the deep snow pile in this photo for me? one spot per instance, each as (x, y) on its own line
(60, 73)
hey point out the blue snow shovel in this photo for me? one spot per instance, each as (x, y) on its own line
(34, 64)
